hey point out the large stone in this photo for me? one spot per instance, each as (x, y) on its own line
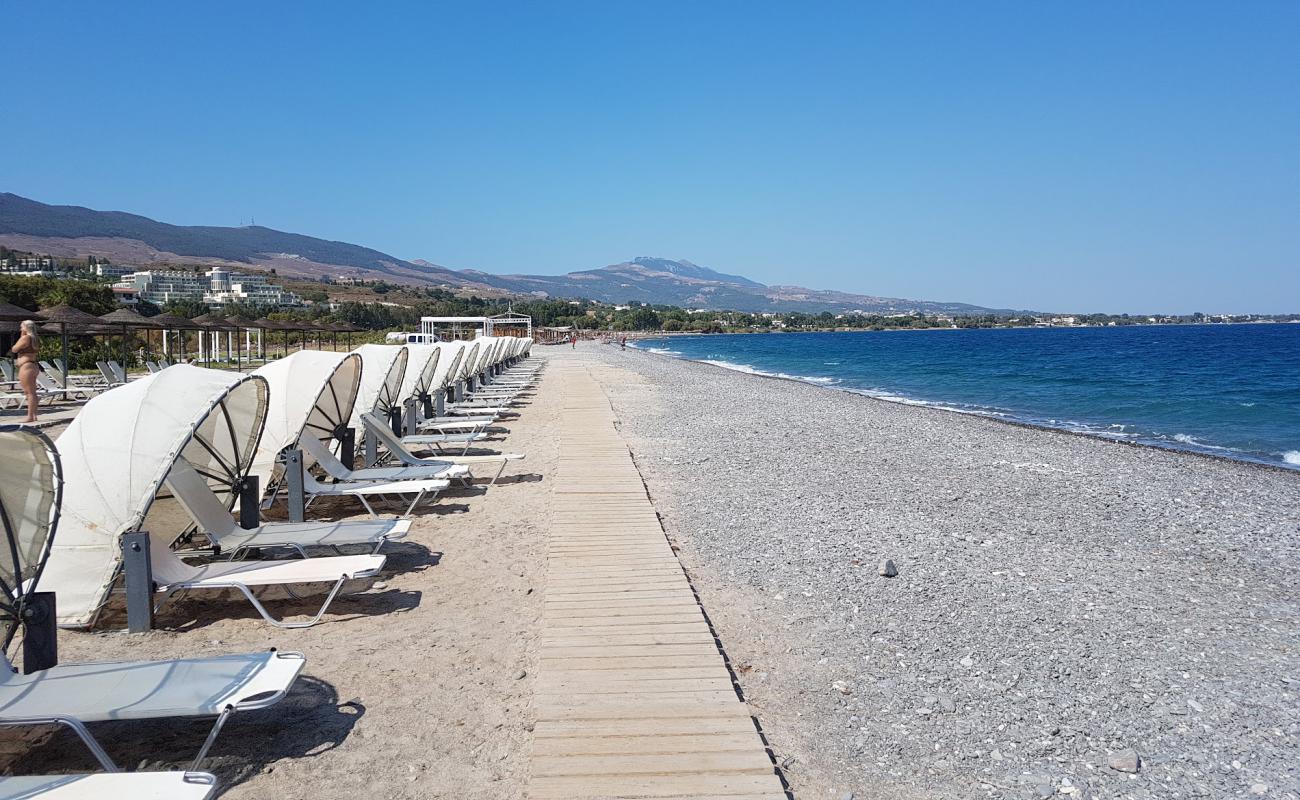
(1125, 761)
(887, 568)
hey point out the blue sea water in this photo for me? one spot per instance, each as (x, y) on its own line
(1230, 390)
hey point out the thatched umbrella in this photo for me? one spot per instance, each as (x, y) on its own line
(125, 318)
(13, 313)
(238, 323)
(349, 329)
(58, 320)
(301, 327)
(267, 324)
(333, 328)
(212, 324)
(171, 322)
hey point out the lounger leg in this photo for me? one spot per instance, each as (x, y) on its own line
(362, 498)
(167, 595)
(500, 470)
(212, 737)
(415, 502)
(79, 728)
(261, 609)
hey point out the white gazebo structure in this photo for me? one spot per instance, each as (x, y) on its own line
(445, 328)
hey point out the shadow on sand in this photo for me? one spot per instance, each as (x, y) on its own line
(309, 722)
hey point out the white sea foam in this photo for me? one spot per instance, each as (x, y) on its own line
(1292, 457)
(819, 380)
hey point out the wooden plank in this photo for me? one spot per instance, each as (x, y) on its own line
(754, 762)
(570, 787)
(645, 745)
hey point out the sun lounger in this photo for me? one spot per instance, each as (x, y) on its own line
(420, 488)
(172, 575)
(102, 785)
(214, 521)
(431, 440)
(89, 381)
(110, 378)
(73, 695)
(152, 367)
(398, 451)
(51, 383)
(433, 470)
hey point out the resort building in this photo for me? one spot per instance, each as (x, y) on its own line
(218, 287)
(114, 271)
(234, 287)
(28, 265)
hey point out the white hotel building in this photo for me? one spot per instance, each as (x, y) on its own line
(218, 287)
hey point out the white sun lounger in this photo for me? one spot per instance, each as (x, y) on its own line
(427, 440)
(172, 575)
(212, 518)
(75, 694)
(110, 377)
(420, 488)
(432, 470)
(398, 451)
(110, 785)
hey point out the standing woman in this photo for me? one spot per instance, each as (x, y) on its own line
(25, 357)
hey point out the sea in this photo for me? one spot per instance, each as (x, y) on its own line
(1226, 390)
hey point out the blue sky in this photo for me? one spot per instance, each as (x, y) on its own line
(1049, 155)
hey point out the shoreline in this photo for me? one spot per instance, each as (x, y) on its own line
(938, 406)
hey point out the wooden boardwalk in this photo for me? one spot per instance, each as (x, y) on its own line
(634, 699)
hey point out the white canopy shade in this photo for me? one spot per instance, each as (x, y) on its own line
(467, 362)
(420, 370)
(448, 364)
(31, 482)
(311, 392)
(116, 454)
(382, 368)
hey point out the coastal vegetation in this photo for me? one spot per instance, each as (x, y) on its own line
(381, 306)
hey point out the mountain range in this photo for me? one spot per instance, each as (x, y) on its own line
(76, 232)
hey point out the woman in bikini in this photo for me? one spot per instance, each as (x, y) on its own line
(25, 360)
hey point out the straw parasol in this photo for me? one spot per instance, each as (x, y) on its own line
(171, 322)
(267, 324)
(238, 323)
(348, 328)
(126, 319)
(212, 323)
(301, 327)
(13, 313)
(58, 320)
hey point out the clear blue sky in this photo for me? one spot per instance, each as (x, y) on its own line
(1051, 155)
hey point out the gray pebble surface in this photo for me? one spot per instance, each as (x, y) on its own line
(1070, 617)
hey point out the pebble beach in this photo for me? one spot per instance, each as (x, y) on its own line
(919, 603)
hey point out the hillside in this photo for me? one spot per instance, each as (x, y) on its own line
(681, 283)
(73, 231)
(77, 232)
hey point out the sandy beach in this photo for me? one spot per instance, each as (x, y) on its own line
(420, 686)
(1061, 602)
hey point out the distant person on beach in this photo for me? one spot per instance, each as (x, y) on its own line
(623, 343)
(25, 351)
(573, 341)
